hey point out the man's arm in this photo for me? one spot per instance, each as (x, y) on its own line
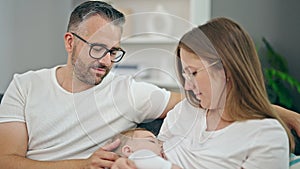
(174, 99)
(291, 118)
(13, 146)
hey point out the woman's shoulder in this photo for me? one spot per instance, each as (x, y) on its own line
(267, 127)
(266, 122)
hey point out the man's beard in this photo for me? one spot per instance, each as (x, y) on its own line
(82, 71)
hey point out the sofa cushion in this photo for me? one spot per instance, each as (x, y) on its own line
(153, 126)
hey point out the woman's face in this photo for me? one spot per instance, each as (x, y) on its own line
(206, 82)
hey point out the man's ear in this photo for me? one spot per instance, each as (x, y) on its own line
(69, 41)
(127, 150)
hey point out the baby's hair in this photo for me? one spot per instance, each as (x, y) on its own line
(124, 136)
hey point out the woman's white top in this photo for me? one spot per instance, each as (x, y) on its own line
(248, 144)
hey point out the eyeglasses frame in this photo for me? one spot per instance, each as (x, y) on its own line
(101, 45)
(190, 76)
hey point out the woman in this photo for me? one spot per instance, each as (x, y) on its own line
(226, 120)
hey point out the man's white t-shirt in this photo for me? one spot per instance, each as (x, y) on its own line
(251, 144)
(64, 125)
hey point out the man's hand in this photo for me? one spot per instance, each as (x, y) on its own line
(103, 158)
(123, 163)
(291, 118)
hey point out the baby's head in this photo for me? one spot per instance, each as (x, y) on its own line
(137, 139)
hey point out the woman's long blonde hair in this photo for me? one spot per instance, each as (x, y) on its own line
(223, 39)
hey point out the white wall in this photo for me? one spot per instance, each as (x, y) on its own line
(31, 35)
(277, 20)
(6, 41)
(32, 31)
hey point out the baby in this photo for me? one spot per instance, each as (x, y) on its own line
(141, 146)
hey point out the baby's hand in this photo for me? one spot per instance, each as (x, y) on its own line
(123, 163)
(146, 159)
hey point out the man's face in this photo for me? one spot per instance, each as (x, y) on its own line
(146, 140)
(95, 29)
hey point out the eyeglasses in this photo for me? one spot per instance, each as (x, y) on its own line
(190, 76)
(98, 51)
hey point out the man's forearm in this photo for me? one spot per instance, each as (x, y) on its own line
(18, 162)
(288, 116)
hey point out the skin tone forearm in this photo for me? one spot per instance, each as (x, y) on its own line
(18, 162)
(291, 118)
(13, 146)
(174, 99)
(175, 167)
(100, 159)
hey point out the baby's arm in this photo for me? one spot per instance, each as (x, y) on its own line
(175, 167)
(146, 159)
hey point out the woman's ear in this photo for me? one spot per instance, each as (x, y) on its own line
(127, 150)
(69, 41)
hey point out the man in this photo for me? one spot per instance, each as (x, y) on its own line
(69, 111)
(59, 117)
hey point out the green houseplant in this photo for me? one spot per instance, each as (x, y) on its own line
(279, 82)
